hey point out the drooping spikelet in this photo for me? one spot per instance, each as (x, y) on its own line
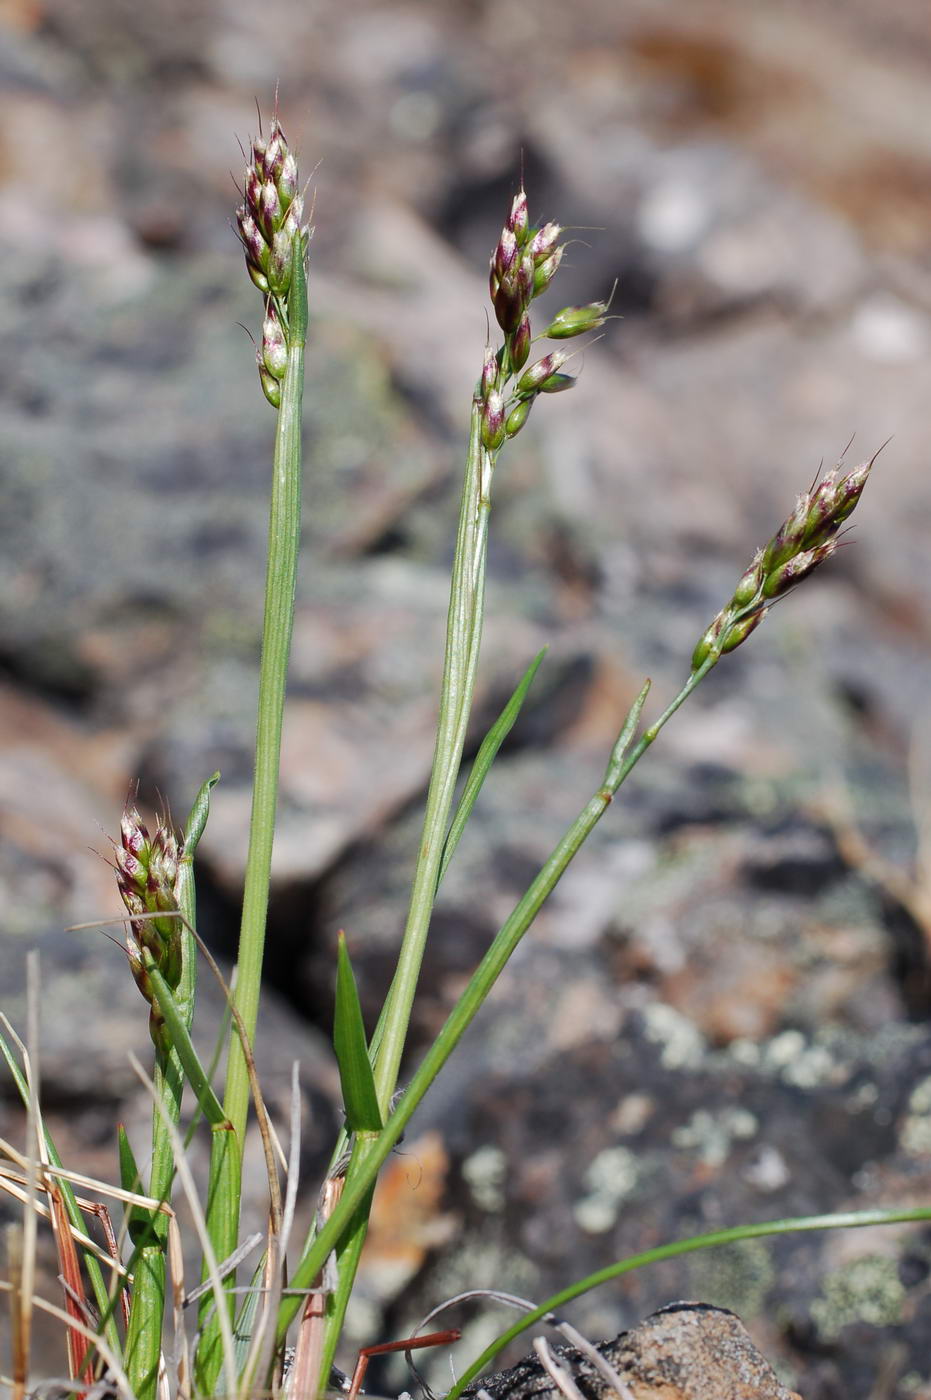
(806, 539)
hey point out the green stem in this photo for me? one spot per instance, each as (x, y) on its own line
(284, 530)
(622, 763)
(463, 639)
(144, 1334)
(463, 643)
(370, 1155)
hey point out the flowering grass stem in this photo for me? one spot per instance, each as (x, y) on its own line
(144, 1333)
(284, 530)
(373, 1151)
(463, 640)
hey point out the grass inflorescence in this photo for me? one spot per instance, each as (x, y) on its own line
(136, 1326)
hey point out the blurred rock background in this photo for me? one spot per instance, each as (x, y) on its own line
(722, 1014)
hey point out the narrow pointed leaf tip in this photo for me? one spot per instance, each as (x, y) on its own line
(352, 1053)
(137, 1221)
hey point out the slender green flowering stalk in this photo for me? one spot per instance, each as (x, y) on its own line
(523, 265)
(806, 539)
(275, 244)
(812, 527)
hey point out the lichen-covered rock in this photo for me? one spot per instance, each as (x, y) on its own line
(687, 1351)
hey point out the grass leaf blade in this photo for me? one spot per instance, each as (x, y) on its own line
(488, 751)
(352, 1052)
(184, 1048)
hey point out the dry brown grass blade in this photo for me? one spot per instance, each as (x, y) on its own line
(259, 1359)
(79, 1352)
(46, 1169)
(114, 1369)
(74, 1294)
(12, 1183)
(106, 1224)
(557, 1372)
(182, 1346)
(22, 1244)
(591, 1353)
(19, 1340)
(35, 1165)
(27, 1259)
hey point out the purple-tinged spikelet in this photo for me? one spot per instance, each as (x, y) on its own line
(804, 540)
(147, 871)
(272, 235)
(523, 264)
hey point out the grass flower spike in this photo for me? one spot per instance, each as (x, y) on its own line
(273, 238)
(147, 875)
(271, 213)
(806, 539)
(523, 265)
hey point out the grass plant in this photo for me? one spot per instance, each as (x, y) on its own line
(128, 1309)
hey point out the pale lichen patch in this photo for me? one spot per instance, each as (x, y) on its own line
(712, 1135)
(867, 1289)
(485, 1172)
(611, 1177)
(683, 1045)
(916, 1130)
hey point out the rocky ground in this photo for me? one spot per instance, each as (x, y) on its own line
(722, 1016)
